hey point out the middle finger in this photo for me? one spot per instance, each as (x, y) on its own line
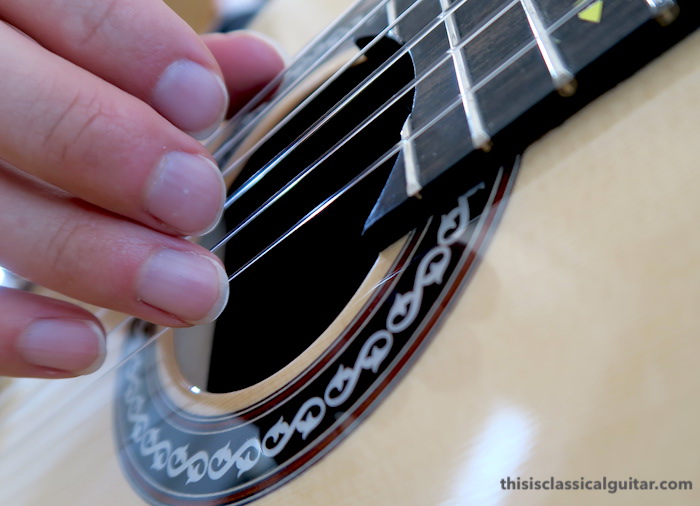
(80, 133)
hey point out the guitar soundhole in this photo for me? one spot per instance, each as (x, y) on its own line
(285, 300)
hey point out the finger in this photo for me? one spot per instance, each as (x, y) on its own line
(90, 255)
(140, 46)
(46, 338)
(248, 62)
(78, 132)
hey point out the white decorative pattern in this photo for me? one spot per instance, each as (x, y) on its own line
(373, 353)
(200, 464)
(304, 422)
(178, 461)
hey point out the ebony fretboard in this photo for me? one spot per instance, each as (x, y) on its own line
(494, 75)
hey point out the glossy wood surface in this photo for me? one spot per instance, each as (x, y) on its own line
(572, 352)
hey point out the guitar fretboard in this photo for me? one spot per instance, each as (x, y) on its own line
(483, 65)
(491, 76)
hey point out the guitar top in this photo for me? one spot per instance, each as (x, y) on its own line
(465, 240)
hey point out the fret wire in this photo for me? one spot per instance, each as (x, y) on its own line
(411, 166)
(356, 92)
(479, 135)
(561, 75)
(665, 11)
(410, 160)
(395, 150)
(392, 14)
(353, 94)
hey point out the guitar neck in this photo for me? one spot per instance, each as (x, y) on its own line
(495, 76)
(491, 77)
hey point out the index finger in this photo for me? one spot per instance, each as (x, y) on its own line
(141, 46)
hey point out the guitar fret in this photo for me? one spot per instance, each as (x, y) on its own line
(413, 180)
(527, 47)
(410, 158)
(665, 11)
(392, 15)
(479, 135)
(561, 76)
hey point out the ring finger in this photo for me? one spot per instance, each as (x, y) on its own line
(90, 255)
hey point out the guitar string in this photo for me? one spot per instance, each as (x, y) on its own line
(367, 171)
(395, 98)
(345, 101)
(321, 122)
(405, 49)
(356, 180)
(237, 137)
(230, 135)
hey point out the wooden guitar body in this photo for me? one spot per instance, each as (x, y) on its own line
(564, 349)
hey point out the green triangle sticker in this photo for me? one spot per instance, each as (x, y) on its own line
(592, 14)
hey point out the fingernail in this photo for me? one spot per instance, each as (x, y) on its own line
(268, 48)
(187, 285)
(76, 346)
(192, 97)
(187, 193)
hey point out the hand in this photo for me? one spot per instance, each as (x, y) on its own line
(101, 177)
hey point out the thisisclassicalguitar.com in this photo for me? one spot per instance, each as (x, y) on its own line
(602, 484)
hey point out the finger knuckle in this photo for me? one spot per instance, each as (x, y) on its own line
(68, 126)
(96, 20)
(67, 248)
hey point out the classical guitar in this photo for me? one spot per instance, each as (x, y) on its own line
(464, 247)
